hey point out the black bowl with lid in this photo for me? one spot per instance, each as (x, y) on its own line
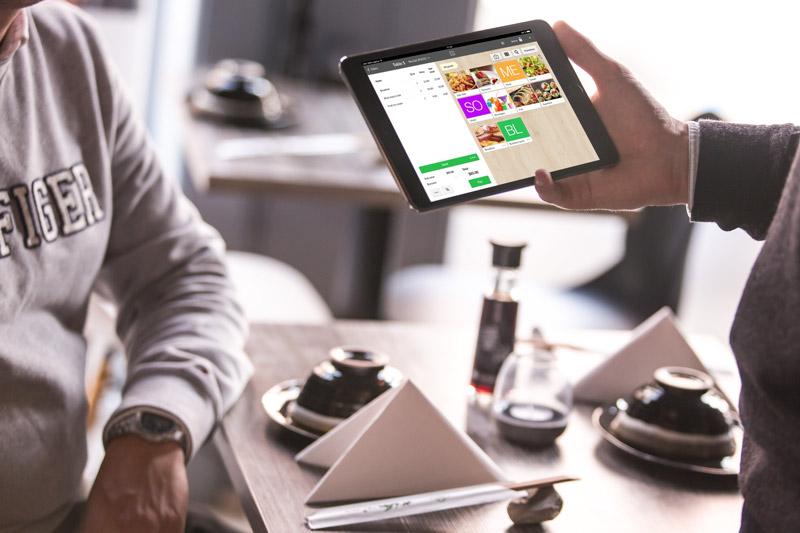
(338, 387)
(679, 414)
(236, 91)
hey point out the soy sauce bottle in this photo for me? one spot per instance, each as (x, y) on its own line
(497, 330)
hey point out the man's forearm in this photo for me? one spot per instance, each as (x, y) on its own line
(141, 486)
(741, 173)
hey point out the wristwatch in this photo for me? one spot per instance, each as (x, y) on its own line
(150, 426)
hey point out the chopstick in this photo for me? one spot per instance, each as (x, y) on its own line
(546, 345)
(538, 483)
(370, 511)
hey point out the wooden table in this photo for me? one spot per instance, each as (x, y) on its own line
(616, 493)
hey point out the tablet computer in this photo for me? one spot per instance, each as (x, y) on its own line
(477, 114)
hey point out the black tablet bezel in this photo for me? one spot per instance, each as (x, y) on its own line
(355, 77)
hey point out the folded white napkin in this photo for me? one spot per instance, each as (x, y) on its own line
(398, 444)
(656, 342)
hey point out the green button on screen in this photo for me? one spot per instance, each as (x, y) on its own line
(480, 182)
(471, 158)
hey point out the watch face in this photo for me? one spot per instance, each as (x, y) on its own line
(157, 424)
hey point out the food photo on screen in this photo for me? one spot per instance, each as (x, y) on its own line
(488, 135)
(525, 95)
(498, 102)
(485, 76)
(533, 66)
(460, 81)
(549, 89)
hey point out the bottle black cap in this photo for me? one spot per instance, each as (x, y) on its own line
(507, 254)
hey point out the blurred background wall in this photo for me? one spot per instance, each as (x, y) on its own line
(731, 57)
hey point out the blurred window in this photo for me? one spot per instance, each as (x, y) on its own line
(734, 57)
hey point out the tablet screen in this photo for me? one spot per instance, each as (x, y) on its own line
(480, 114)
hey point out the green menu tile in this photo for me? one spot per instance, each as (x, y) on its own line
(513, 129)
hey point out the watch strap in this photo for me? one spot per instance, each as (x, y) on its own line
(135, 421)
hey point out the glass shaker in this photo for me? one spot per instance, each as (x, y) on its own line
(532, 398)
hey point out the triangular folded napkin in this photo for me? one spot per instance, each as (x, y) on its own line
(398, 444)
(656, 342)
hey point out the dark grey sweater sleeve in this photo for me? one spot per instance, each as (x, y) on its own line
(741, 173)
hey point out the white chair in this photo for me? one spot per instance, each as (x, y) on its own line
(272, 291)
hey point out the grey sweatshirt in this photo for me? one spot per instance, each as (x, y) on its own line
(84, 206)
(749, 177)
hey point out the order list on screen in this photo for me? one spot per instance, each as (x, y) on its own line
(429, 122)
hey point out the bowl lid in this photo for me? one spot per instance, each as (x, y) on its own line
(683, 380)
(358, 360)
(682, 400)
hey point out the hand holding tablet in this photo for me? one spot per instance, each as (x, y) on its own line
(654, 147)
(475, 115)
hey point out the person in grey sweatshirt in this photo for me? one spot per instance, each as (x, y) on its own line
(739, 176)
(84, 206)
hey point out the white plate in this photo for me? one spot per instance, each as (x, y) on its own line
(276, 403)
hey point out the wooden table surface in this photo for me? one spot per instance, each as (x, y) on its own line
(616, 493)
(360, 177)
